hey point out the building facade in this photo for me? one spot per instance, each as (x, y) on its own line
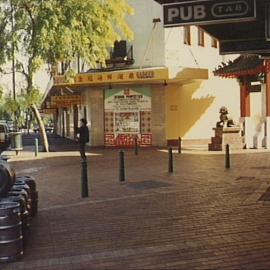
(156, 88)
(252, 72)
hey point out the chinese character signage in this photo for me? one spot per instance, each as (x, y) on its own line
(116, 76)
(128, 99)
(66, 100)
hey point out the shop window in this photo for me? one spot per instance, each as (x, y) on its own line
(187, 35)
(200, 37)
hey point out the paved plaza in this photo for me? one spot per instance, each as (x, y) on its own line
(202, 216)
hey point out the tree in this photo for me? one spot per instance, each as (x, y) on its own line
(39, 32)
(15, 109)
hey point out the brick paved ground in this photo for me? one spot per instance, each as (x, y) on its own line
(200, 217)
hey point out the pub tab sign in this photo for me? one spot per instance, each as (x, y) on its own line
(208, 12)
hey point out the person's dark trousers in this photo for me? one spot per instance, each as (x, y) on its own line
(82, 150)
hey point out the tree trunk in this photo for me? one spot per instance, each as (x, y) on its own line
(41, 128)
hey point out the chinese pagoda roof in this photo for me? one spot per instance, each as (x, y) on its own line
(244, 65)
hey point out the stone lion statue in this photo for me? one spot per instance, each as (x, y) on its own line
(225, 120)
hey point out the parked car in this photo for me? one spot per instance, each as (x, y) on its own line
(36, 129)
(48, 128)
(11, 126)
(4, 136)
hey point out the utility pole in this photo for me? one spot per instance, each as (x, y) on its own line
(13, 60)
(13, 51)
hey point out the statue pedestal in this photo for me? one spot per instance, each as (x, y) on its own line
(226, 135)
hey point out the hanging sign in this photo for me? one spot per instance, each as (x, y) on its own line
(208, 12)
(49, 111)
(73, 99)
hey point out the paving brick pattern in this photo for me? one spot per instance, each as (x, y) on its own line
(202, 216)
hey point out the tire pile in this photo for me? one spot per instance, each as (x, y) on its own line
(18, 206)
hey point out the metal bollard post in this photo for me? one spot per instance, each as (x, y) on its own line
(170, 164)
(227, 157)
(121, 166)
(179, 145)
(84, 179)
(136, 146)
(36, 146)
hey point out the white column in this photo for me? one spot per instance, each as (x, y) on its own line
(59, 128)
(249, 132)
(263, 117)
(267, 137)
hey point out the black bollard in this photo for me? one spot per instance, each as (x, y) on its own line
(170, 163)
(84, 179)
(121, 166)
(227, 157)
(179, 145)
(136, 146)
(36, 146)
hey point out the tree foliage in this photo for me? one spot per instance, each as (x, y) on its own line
(15, 109)
(49, 31)
(39, 32)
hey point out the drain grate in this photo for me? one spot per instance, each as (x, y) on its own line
(265, 196)
(148, 184)
(245, 178)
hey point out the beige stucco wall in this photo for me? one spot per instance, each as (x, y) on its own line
(192, 110)
(158, 115)
(148, 43)
(178, 54)
(94, 101)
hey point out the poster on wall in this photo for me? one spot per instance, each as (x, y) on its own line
(128, 116)
(127, 122)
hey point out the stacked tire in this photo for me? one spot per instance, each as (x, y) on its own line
(7, 177)
(11, 239)
(18, 205)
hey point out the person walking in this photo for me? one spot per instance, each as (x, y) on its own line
(83, 137)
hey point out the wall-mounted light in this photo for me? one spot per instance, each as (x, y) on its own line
(156, 20)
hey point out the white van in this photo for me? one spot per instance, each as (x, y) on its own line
(4, 137)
